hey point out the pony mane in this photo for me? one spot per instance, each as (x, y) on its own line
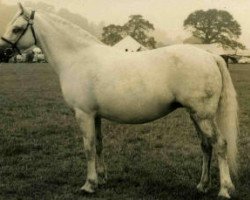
(71, 26)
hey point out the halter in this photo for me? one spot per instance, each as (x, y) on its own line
(29, 24)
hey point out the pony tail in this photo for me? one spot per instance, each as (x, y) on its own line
(227, 115)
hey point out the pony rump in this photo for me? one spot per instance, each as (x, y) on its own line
(227, 115)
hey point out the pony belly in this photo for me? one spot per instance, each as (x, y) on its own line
(137, 115)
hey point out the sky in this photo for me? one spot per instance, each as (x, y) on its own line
(167, 15)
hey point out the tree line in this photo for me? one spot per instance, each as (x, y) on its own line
(211, 26)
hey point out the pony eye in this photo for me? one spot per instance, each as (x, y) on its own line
(17, 30)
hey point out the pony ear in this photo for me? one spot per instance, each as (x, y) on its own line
(22, 9)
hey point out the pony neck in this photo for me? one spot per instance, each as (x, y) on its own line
(62, 41)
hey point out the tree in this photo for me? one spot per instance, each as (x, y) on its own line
(214, 26)
(112, 34)
(136, 27)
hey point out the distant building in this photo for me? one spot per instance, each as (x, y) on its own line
(215, 49)
(212, 48)
(129, 44)
(244, 53)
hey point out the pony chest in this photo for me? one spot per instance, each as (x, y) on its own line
(77, 94)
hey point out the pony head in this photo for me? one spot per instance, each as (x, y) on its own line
(19, 34)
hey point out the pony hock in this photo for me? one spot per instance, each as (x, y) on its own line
(98, 82)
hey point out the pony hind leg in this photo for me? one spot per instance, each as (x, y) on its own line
(220, 146)
(100, 165)
(211, 132)
(226, 185)
(206, 146)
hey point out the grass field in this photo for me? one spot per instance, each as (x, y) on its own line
(42, 156)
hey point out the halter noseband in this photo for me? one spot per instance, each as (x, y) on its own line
(29, 24)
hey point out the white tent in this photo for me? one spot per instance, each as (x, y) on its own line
(215, 48)
(129, 44)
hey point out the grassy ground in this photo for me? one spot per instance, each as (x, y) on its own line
(42, 157)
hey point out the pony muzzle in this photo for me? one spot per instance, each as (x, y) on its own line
(12, 45)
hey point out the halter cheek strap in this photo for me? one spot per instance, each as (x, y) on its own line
(29, 24)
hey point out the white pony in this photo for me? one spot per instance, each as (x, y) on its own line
(98, 81)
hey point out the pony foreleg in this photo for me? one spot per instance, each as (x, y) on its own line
(87, 125)
(100, 165)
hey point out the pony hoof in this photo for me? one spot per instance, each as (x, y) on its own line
(87, 190)
(222, 198)
(89, 187)
(223, 194)
(227, 191)
(231, 189)
(202, 188)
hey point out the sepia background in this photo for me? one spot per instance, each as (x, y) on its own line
(41, 146)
